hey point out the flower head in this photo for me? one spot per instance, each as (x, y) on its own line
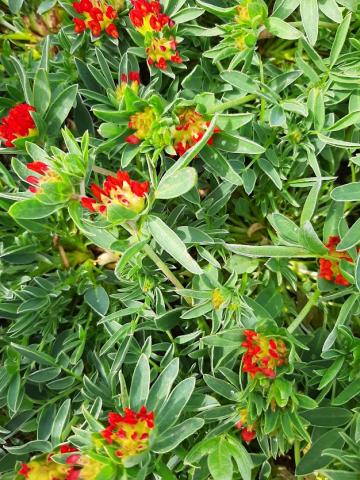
(45, 175)
(132, 81)
(248, 432)
(329, 269)
(44, 470)
(142, 122)
(18, 123)
(97, 15)
(262, 354)
(162, 50)
(148, 17)
(160, 45)
(190, 130)
(120, 191)
(129, 433)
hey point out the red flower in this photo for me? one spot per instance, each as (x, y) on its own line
(329, 269)
(112, 31)
(248, 435)
(38, 167)
(73, 474)
(147, 16)
(133, 139)
(24, 470)
(161, 64)
(80, 25)
(67, 448)
(18, 123)
(95, 27)
(130, 432)
(136, 18)
(119, 190)
(262, 354)
(98, 17)
(110, 12)
(190, 130)
(134, 77)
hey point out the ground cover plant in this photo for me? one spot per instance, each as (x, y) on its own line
(180, 239)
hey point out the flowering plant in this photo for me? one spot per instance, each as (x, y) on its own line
(180, 241)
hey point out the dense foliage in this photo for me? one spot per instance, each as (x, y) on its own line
(179, 253)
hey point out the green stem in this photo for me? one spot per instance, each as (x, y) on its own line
(103, 171)
(165, 269)
(311, 302)
(297, 451)
(231, 103)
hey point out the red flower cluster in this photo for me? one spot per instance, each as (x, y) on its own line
(190, 130)
(98, 17)
(132, 80)
(18, 123)
(42, 169)
(147, 16)
(129, 433)
(262, 354)
(119, 190)
(47, 469)
(248, 432)
(329, 269)
(142, 122)
(160, 46)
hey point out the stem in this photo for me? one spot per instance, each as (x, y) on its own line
(165, 269)
(232, 103)
(103, 171)
(297, 451)
(311, 302)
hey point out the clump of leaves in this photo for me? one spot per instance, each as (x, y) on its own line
(179, 258)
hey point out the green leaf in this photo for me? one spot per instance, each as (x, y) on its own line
(347, 193)
(15, 5)
(59, 109)
(315, 459)
(268, 168)
(39, 357)
(339, 41)
(236, 144)
(171, 243)
(337, 143)
(97, 299)
(310, 19)
(176, 402)
(286, 229)
(128, 255)
(241, 81)
(281, 29)
(327, 416)
(173, 436)
(177, 184)
(310, 241)
(140, 382)
(357, 273)
(344, 122)
(220, 463)
(162, 386)
(20, 69)
(187, 14)
(221, 387)
(345, 312)
(348, 393)
(60, 422)
(351, 237)
(276, 251)
(42, 92)
(30, 447)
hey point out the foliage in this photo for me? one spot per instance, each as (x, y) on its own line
(180, 232)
